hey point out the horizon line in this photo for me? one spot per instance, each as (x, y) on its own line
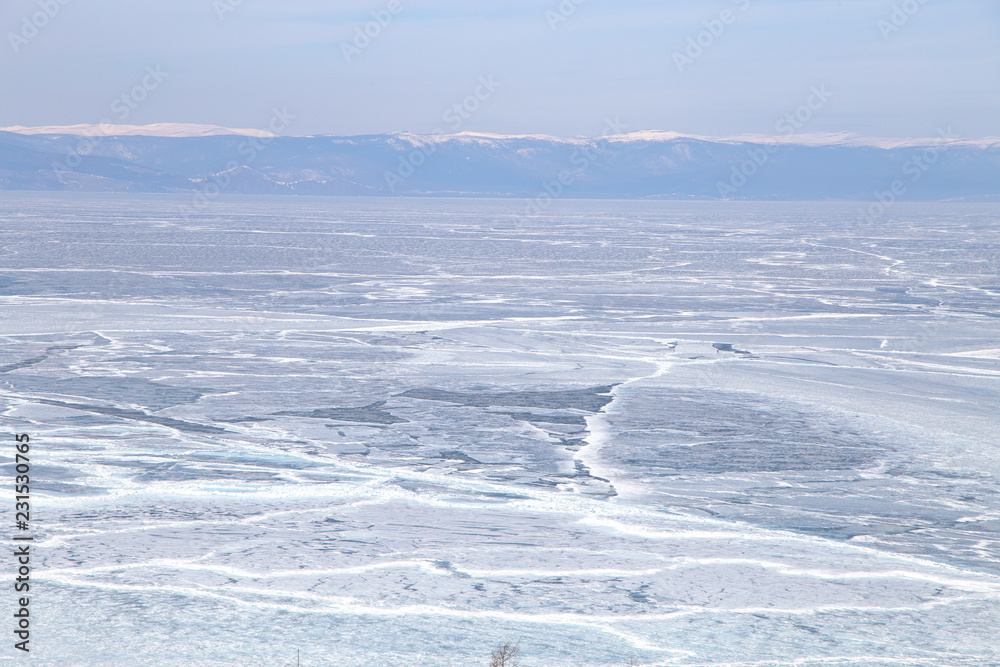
(194, 130)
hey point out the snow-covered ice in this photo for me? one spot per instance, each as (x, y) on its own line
(399, 432)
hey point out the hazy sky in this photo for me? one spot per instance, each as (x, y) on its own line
(903, 72)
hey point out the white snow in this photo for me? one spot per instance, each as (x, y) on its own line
(651, 136)
(154, 130)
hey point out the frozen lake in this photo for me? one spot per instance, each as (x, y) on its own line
(400, 432)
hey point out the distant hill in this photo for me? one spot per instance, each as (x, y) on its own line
(209, 160)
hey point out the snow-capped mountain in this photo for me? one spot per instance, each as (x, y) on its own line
(154, 130)
(647, 164)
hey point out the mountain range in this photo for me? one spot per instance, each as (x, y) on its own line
(209, 160)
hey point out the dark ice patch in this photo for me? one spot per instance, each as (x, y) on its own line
(590, 400)
(151, 395)
(728, 347)
(370, 414)
(7, 282)
(447, 566)
(72, 490)
(135, 415)
(456, 455)
(759, 455)
(641, 595)
(25, 363)
(180, 472)
(573, 444)
(531, 417)
(49, 473)
(681, 432)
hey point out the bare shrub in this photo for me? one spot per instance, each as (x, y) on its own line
(505, 655)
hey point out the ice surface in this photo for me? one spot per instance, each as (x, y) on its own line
(399, 432)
